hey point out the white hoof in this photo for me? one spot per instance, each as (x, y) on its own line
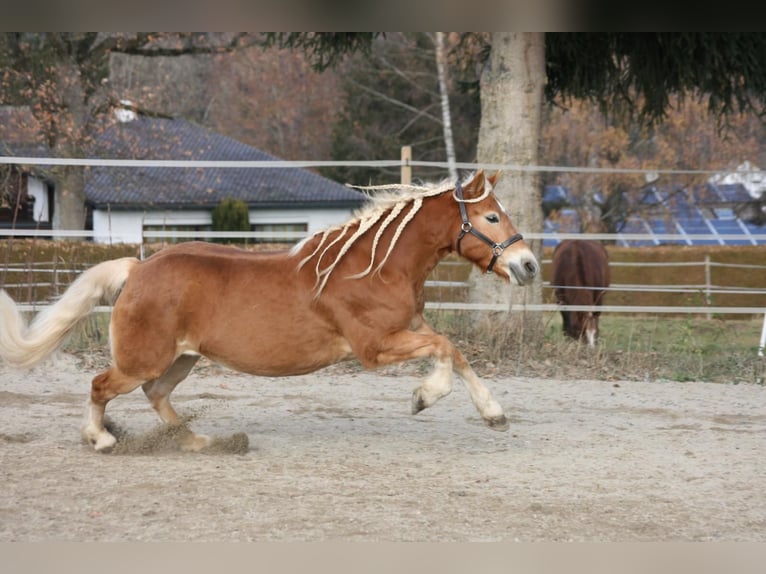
(105, 442)
(101, 440)
(195, 442)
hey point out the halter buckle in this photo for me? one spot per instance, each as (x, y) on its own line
(466, 227)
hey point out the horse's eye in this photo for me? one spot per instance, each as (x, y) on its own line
(493, 218)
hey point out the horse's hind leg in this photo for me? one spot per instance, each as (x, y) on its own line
(437, 385)
(104, 388)
(439, 382)
(158, 392)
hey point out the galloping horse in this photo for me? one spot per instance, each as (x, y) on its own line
(580, 275)
(355, 290)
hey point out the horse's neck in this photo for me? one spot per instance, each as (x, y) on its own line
(432, 234)
(418, 239)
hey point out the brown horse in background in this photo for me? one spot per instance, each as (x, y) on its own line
(355, 290)
(580, 276)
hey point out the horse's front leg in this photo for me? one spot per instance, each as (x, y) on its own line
(424, 342)
(485, 403)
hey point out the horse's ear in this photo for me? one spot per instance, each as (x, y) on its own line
(475, 187)
(493, 178)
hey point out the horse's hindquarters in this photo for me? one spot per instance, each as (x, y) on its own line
(252, 314)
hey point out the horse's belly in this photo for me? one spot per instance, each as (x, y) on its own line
(281, 358)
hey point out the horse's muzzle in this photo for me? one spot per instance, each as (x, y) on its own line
(524, 269)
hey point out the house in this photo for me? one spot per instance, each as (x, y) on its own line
(26, 194)
(127, 201)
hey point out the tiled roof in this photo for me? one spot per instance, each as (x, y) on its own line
(173, 139)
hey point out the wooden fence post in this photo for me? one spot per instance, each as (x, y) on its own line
(406, 167)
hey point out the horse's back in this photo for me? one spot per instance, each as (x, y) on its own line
(580, 263)
(595, 260)
(216, 250)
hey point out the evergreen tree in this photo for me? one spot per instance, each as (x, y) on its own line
(231, 215)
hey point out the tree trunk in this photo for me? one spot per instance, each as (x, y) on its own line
(511, 105)
(69, 129)
(69, 203)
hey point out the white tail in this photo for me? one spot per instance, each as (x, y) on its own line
(24, 346)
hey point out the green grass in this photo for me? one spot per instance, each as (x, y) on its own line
(630, 347)
(688, 348)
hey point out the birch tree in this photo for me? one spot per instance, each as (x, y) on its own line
(441, 69)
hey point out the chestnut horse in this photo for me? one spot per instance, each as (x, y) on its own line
(355, 290)
(580, 276)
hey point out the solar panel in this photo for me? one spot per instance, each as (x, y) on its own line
(734, 193)
(569, 220)
(727, 226)
(694, 225)
(663, 226)
(697, 226)
(731, 227)
(756, 230)
(706, 195)
(724, 213)
(650, 197)
(636, 225)
(550, 227)
(685, 212)
(555, 194)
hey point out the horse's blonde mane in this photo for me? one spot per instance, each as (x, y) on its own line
(390, 201)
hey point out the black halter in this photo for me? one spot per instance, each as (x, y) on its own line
(466, 227)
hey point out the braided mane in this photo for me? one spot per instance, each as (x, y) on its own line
(384, 207)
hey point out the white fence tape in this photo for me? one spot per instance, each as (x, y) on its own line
(680, 238)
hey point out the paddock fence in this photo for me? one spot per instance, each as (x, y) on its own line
(36, 283)
(700, 286)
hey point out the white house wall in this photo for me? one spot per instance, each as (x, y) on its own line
(127, 226)
(37, 189)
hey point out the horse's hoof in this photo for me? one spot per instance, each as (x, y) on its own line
(104, 443)
(418, 404)
(195, 442)
(499, 423)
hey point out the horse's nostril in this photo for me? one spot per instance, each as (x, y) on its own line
(531, 267)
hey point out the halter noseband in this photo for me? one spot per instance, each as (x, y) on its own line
(466, 227)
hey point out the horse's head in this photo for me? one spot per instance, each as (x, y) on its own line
(487, 237)
(582, 326)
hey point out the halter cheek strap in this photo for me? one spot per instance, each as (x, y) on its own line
(466, 228)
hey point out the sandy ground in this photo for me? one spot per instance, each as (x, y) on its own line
(337, 456)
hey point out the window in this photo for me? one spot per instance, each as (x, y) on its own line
(187, 235)
(280, 232)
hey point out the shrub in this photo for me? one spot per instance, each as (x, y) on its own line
(231, 215)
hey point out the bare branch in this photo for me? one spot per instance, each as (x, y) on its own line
(394, 102)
